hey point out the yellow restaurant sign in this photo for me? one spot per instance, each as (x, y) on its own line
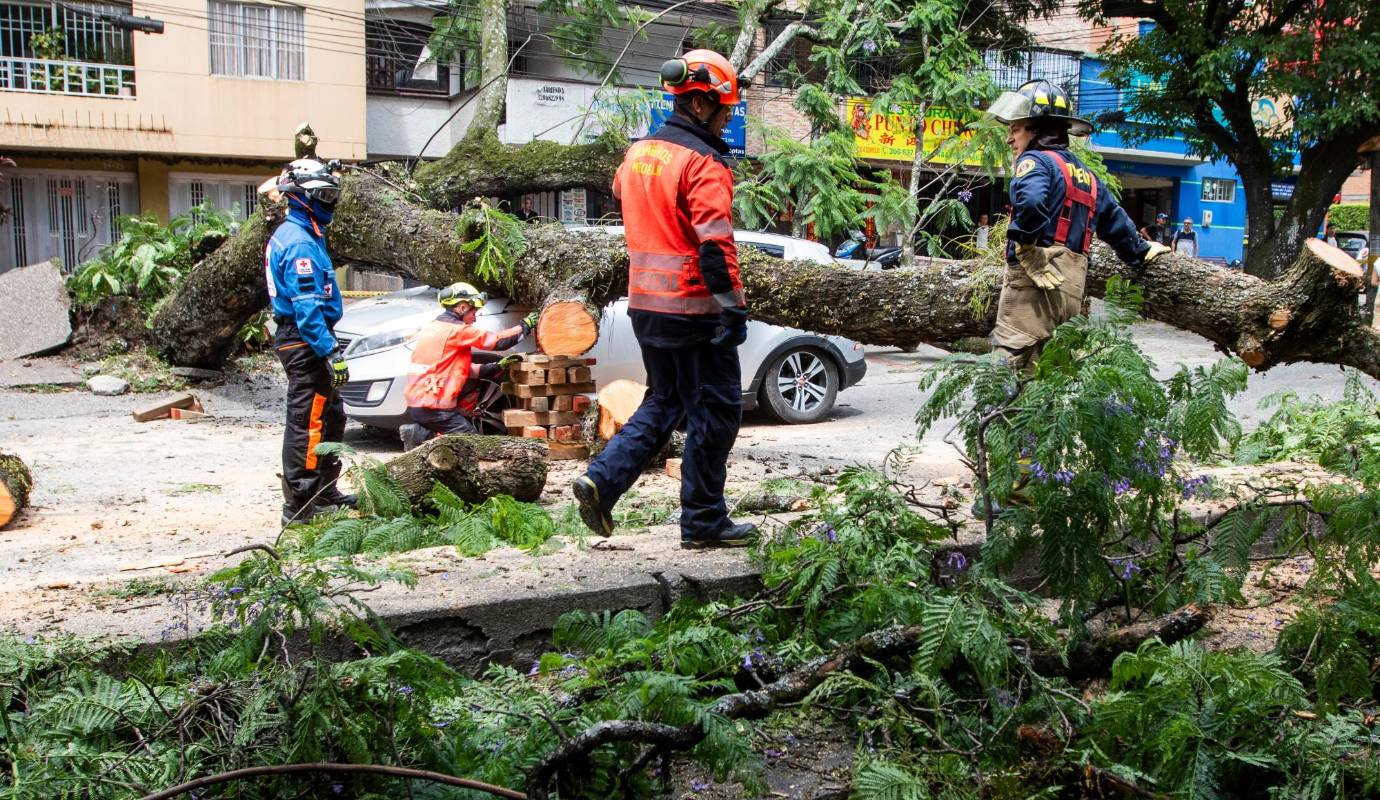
(891, 137)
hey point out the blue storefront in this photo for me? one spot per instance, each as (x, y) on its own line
(1160, 175)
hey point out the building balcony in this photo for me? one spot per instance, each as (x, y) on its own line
(78, 78)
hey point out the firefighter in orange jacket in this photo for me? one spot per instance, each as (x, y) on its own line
(442, 363)
(686, 303)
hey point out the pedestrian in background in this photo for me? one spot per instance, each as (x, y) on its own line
(984, 230)
(1159, 231)
(1186, 239)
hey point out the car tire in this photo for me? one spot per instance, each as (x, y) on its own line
(800, 386)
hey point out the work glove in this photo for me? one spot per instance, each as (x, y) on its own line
(1035, 261)
(732, 330)
(508, 361)
(340, 370)
(1156, 250)
(529, 322)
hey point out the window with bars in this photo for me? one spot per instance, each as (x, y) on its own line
(256, 41)
(398, 58)
(186, 192)
(1009, 70)
(85, 37)
(1219, 190)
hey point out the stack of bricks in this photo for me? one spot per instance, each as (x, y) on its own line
(548, 402)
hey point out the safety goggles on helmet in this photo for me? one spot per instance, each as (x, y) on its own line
(457, 293)
(311, 179)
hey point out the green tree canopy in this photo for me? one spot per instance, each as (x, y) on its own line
(1203, 66)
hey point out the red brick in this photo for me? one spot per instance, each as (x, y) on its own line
(533, 432)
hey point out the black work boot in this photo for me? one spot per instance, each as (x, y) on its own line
(740, 535)
(592, 511)
(335, 497)
(297, 515)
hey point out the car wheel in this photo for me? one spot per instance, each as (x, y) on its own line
(800, 385)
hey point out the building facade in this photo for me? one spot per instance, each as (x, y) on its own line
(104, 121)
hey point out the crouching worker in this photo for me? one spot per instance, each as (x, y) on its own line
(443, 364)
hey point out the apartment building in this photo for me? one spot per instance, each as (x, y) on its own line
(104, 119)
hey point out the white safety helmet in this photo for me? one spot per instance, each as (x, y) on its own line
(311, 179)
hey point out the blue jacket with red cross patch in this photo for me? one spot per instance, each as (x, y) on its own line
(1038, 189)
(301, 281)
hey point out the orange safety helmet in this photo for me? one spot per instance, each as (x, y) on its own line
(702, 71)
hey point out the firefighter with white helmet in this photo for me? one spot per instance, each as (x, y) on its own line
(306, 305)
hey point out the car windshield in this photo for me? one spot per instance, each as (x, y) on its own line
(1350, 243)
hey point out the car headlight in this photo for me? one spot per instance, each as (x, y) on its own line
(379, 341)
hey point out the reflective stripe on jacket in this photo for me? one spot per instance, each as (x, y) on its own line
(677, 198)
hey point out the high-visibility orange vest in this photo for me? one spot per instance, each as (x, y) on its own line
(677, 198)
(441, 361)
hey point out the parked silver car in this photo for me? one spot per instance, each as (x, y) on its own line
(795, 375)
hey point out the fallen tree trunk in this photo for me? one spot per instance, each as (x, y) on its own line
(15, 483)
(1308, 314)
(474, 467)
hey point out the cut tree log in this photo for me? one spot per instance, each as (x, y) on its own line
(567, 328)
(474, 467)
(15, 484)
(616, 402)
(1308, 314)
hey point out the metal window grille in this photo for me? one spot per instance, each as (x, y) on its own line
(256, 41)
(97, 58)
(112, 199)
(1219, 190)
(251, 199)
(18, 233)
(1010, 70)
(63, 220)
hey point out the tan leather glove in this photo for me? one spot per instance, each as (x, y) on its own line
(1156, 250)
(1035, 261)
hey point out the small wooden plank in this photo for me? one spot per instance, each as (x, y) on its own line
(187, 414)
(673, 468)
(515, 417)
(563, 402)
(533, 432)
(578, 375)
(580, 403)
(517, 390)
(556, 376)
(163, 408)
(529, 377)
(563, 433)
(538, 404)
(561, 451)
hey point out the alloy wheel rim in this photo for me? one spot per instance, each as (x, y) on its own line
(802, 381)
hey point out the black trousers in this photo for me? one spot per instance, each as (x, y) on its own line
(701, 385)
(315, 414)
(442, 420)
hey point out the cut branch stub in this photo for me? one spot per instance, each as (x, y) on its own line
(15, 484)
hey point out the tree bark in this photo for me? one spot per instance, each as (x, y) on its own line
(482, 166)
(474, 467)
(493, 69)
(15, 484)
(1308, 314)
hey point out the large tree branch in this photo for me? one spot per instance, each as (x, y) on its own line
(772, 50)
(1093, 657)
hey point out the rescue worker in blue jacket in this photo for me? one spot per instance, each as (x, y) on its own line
(1056, 207)
(306, 305)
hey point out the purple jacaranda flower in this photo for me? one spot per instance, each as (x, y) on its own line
(536, 667)
(698, 786)
(774, 753)
(1064, 477)
(965, 195)
(1038, 470)
(957, 561)
(1194, 487)
(235, 590)
(869, 46)
(405, 691)
(1005, 699)
(1128, 567)
(1121, 485)
(337, 788)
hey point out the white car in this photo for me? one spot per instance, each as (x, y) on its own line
(795, 375)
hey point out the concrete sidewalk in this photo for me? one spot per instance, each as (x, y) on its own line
(499, 607)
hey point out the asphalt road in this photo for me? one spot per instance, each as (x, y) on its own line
(877, 414)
